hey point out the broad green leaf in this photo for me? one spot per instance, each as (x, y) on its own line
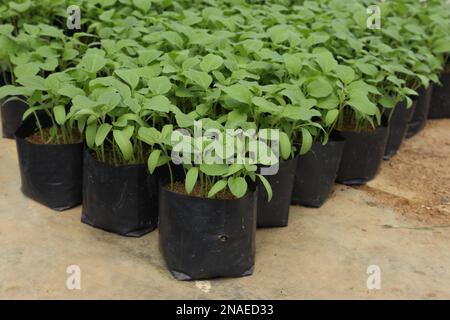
(129, 76)
(91, 132)
(267, 187)
(345, 73)
(214, 169)
(92, 62)
(153, 160)
(102, 132)
(217, 187)
(200, 78)
(124, 143)
(239, 92)
(60, 114)
(331, 117)
(306, 141)
(319, 88)
(285, 146)
(191, 179)
(159, 85)
(326, 61)
(238, 186)
(143, 5)
(211, 62)
(158, 103)
(33, 82)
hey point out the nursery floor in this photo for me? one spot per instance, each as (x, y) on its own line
(399, 222)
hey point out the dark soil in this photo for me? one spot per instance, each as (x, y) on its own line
(178, 187)
(37, 138)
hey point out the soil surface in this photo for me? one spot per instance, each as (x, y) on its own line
(179, 187)
(416, 182)
(45, 137)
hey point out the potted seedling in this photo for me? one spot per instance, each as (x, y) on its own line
(208, 221)
(119, 195)
(49, 146)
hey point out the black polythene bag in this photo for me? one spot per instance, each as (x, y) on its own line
(51, 174)
(120, 199)
(362, 156)
(276, 212)
(398, 126)
(12, 111)
(420, 115)
(316, 172)
(207, 238)
(440, 99)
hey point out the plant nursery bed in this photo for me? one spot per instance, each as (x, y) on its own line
(400, 222)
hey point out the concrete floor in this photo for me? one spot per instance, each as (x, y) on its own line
(324, 253)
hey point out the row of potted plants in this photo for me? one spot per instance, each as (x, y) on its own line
(140, 113)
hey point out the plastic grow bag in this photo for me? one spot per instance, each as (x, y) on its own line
(362, 155)
(120, 199)
(51, 174)
(276, 212)
(420, 115)
(440, 99)
(207, 238)
(12, 111)
(398, 126)
(316, 172)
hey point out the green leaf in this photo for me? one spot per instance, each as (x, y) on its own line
(191, 179)
(150, 136)
(214, 170)
(102, 133)
(345, 74)
(160, 85)
(33, 82)
(319, 88)
(217, 187)
(153, 160)
(92, 62)
(366, 68)
(267, 186)
(238, 186)
(143, 5)
(307, 141)
(331, 117)
(129, 76)
(265, 106)
(239, 92)
(91, 132)
(124, 143)
(285, 146)
(361, 103)
(201, 78)
(158, 103)
(326, 61)
(60, 114)
(211, 62)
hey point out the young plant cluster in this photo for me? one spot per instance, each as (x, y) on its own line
(140, 70)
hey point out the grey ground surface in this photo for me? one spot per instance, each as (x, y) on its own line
(400, 222)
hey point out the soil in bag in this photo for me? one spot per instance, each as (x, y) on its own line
(51, 174)
(12, 111)
(207, 238)
(420, 115)
(316, 172)
(398, 126)
(276, 212)
(362, 155)
(121, 199)
(440, 99)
